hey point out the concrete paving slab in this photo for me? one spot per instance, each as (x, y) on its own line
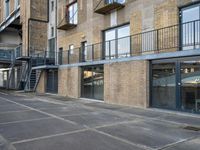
(188, 145)
(88, 140)
(99, 118)
(192, 121)
(143, 112)
(103, 106)
(68, 111)
(11, 107)
(3, 102)
(26, 130)
(20, 116)
(5, 145)
(39, 104)
(150, 134)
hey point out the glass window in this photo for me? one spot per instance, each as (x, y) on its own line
(52, 5)
(117, 42)
(71, 49)
(73, 13)
(7, 8)
(191, 27)
(111, 1)
(52, 31)
(93, 82)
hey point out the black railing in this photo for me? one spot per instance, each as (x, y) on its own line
(173, 38)
(44, 58)
(6, 55)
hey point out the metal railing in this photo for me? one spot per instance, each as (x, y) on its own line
(173, 38)
(44, 58)
(103, 3)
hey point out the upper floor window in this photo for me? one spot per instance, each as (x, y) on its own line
(73, 12)
(52, 6)
(112, 1)
(52, 31)
(190, 29)
(117, 42)
(71, 49)
(17, 3)
(7, 8)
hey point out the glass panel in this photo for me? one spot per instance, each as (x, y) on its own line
(111, 1)
(190, 29)
(87, 84)
(98, 82)
(110, 37)
(190, 79)
(164, 86)
(73, 14)
(124, 41)
(93, 82)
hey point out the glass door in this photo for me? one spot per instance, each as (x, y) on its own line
(164, 85)
(93, 82)
(190, 86)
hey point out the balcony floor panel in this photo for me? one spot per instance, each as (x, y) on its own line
(109, 7)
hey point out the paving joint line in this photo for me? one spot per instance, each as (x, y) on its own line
(176, 143)
(23, 121)
(42, 112)
(49, 136)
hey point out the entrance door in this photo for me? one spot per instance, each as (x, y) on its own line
(164, 85)
(176, 84)
(190, 85)
(92, 82)
(52, 81)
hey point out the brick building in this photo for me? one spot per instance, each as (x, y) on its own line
(142, 53)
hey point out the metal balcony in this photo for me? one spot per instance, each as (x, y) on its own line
(70, 19)
(107, 6)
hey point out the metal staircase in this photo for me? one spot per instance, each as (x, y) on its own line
(32, 77)
(11, 75)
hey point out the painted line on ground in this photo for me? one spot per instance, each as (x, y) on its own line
(23, 121)
(176, 143)
(42, 112)
(49, 136)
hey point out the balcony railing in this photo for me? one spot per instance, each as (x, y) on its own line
(70, 18)
(169, 39)
(44, 58)
(107, 6)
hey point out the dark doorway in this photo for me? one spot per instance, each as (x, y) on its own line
(52, 81)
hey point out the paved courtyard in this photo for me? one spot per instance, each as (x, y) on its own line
(29, 122)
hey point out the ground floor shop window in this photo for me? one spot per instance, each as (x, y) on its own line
(176, 84)
(92, 85)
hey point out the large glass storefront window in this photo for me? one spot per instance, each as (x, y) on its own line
(176, 84)
(93, 82)
(117, 42)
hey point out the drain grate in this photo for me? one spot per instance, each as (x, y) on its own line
(192, 128)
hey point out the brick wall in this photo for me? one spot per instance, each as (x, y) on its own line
(69, 82)
(127, 83)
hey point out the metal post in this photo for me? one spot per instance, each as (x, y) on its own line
(194, 35)
(92, 52)
(109, 49)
